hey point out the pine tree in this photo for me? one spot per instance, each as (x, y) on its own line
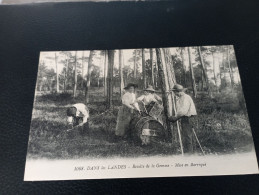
(192, 74)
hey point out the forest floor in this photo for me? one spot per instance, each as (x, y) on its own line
(221, 128)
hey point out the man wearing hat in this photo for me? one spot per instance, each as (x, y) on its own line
(185, 111)
(77, 115)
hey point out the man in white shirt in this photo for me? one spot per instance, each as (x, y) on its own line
(185, 111)
(77, 115)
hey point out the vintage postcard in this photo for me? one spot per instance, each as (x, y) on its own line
(147, 112)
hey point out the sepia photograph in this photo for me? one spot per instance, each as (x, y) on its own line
(148, 112)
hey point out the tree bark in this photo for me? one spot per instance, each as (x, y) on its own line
(57, 77)
(192, 74)
(170, 67)
(166, 96)
(83, 70)
(110, 77)
(204, 71)
(220, 72)
(152, 67)
(202, 81)
(224, 67)
(75, 76)
(214, 71)
(135, 66)
(156, 74)
(65, 79)
(144, 68)
(121, 73)
(88, 77)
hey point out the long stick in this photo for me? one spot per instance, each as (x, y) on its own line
(178, 129)
(198, 141)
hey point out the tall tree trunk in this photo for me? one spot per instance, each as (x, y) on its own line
(144, 68)
(192, 74)
(224, 67)
(229, 66)
(135, 66)
(105, 73)
(100, 64)
(121, 73)
(88, 77)
(170, 66)
(164, 80)
(184, 69)
(156, 75)
(65, 79)
(75, 76)
(83, 70)
(57, 77)
(202, 80)
(214, 71)
(110, 77)
(166, 55)
(152, 67)
(219, 60)
(204, 71)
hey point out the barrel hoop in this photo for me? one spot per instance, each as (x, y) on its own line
(141, 120)
(146, 122)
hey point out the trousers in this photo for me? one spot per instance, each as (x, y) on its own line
(187, 134)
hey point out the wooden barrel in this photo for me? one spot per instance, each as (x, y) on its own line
(147, 130)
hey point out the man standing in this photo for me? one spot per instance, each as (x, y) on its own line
(185, 111)
(77, 115)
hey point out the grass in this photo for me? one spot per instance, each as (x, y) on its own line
(219, 128)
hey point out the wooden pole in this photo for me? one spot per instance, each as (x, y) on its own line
(178, 128)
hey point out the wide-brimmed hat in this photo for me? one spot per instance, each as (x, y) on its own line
(131, 85)
(150, 88)
(178, 88)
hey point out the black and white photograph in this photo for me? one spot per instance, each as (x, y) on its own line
(147, 112)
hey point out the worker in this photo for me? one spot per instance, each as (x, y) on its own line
(125, 113)
(185, 113)
(77, 116)
(149, 98)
